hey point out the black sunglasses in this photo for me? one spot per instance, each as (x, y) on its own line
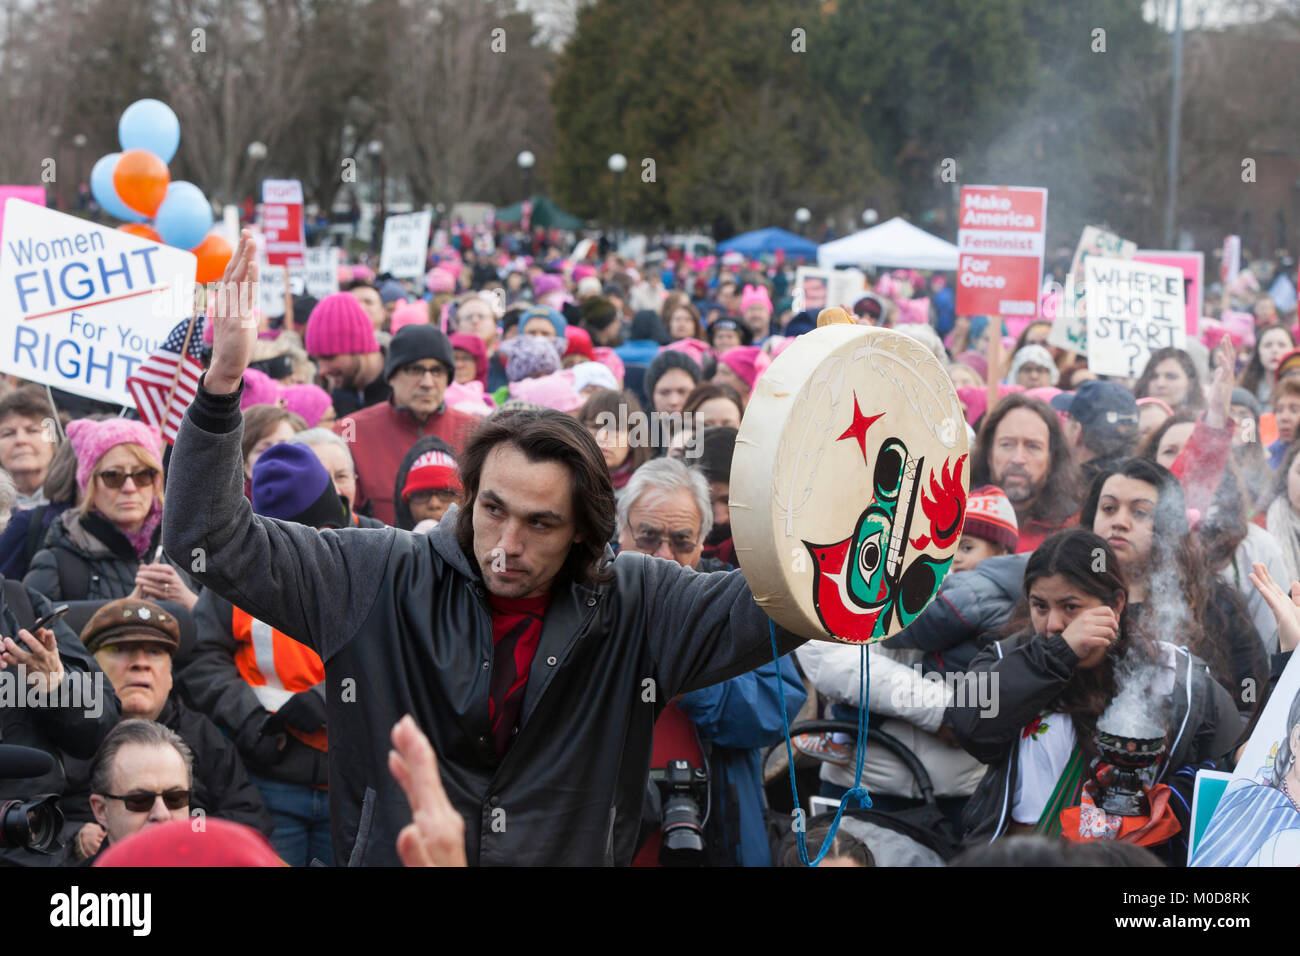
(143, 802)
(115, 479)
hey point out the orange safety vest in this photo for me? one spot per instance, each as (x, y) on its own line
(276, 667)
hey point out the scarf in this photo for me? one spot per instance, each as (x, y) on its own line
(140, 540)
(1284, 525)
(620, 475)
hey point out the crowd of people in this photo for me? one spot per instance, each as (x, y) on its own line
(411, 504)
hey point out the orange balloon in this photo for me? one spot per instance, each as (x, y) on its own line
(141, 180)
(214, 255)
(141, 230)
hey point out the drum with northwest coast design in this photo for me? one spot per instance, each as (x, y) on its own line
(848, 485)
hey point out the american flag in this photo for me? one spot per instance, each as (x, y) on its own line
(152, 382)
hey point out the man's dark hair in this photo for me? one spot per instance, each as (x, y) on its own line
(1062, 473)
(359, 284)
(548, 435)
(29, 402)
(146, 733)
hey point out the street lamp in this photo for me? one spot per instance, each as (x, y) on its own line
(79, 141)
(869, 216)
(802, 216)
(257, 151)
(376, 150)
(526, 161)
(617, 165)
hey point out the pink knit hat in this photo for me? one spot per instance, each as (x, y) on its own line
(439, 279)
(607, 357)
(692, 347)
(409, 313)
(339, 326)
(755, 295)
(259, 389)
(309, 401)
(92, 439)
(546, 283)
(550, 391)
(741, 360)
(582, 270)
(364, 273)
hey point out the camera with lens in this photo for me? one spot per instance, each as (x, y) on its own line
(683, 790)
(30, 823)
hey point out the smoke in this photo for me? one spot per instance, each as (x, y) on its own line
(1135, 711)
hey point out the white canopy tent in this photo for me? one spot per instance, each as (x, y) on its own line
(896, 244)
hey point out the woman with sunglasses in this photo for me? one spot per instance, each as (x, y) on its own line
(107, 546)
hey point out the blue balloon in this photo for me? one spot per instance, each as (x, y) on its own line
(185, 216)
(151, 125)
(101, 187)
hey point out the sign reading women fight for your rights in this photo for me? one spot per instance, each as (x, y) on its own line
(83, 304)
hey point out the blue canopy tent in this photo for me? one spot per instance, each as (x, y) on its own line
(768, 241)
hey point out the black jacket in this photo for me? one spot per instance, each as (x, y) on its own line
(1032, 672)
(213, 683)
(75, 730)
(220, 785)
(349, 400)
(85, 558)
(400, 507)
(403, 625)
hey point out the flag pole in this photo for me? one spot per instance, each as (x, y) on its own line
(180, 365)
(54, 411)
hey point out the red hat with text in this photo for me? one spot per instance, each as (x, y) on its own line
(989, 516)
(432, 471)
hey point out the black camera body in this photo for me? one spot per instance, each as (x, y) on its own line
(29, 823)
(683, 790)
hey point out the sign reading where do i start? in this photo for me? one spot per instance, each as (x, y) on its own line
(1134, 309)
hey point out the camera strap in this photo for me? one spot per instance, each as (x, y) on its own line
(858, 794)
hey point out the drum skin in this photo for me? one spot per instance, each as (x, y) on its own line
(848, 483)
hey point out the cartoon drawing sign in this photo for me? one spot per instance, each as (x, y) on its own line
(848, 485)
(85, 304)
(1257, 822)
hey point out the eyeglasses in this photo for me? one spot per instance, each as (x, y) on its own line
(115, 479)
(417, 372)
(445, 497)
(143, 802)
(678, 542)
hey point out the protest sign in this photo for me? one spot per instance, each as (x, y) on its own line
(1000, 241)
(270, 288)
(317, 276)
(1257, 821)
(1134, 309)
(282, 222)
(1192, 265)
(85, 304)
(406, 245)
(820, 288)
(1069, 325)
(320, 271)
(1207, 792)
(1230, 266)
(31, 194)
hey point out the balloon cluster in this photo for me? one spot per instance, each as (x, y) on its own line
(134, 186)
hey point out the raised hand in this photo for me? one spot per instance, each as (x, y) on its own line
(39, 655)
(1285, 608)
(1224, 377)
(436, 834)
(234, 323)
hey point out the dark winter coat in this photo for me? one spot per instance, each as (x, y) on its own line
(213, 683)
(1032, 672)
(403, 624)
(23, 536)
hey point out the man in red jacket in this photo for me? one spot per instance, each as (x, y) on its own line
(419, 368)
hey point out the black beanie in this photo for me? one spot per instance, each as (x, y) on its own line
(666, 359)
(646, 324)
(719, 444)
(413, 343)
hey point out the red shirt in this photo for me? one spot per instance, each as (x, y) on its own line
(379, 438)
(516, 631)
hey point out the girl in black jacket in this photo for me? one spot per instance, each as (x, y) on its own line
(1054, 680)
(1138, 507)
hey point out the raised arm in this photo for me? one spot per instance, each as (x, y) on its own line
(317, 586)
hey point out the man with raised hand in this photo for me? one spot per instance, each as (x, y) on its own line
(534, 662)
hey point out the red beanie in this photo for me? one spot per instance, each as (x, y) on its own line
(989, 515)
(182, 843)
(339, 326)
(579, 342)
(431, 471)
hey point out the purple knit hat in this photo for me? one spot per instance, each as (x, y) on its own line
(742, 360)
(339, 326)
(91, 440)
(546, 283)
(530, 354)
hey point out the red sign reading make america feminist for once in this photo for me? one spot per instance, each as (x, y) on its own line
(1000, 241)
(282, 221)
